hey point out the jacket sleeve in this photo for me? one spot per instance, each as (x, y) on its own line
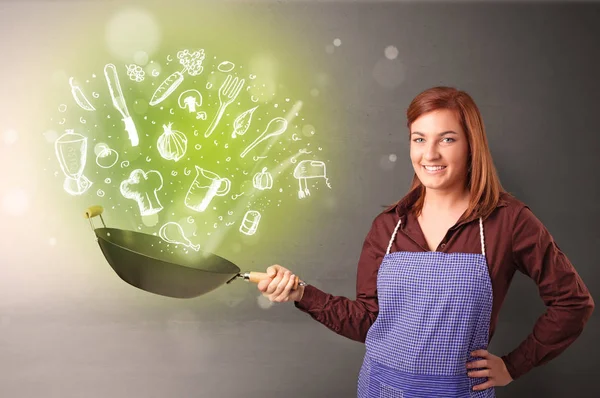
(568, 302)
(346, 317)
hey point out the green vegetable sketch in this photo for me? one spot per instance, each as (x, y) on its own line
(192, 64)
(79, 97)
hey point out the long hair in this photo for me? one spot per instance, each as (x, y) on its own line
(482, 179)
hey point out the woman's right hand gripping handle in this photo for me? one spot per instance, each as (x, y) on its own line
(279, 287)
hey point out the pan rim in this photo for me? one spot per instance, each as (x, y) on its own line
(238, 269)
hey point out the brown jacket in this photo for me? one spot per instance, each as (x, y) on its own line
(514, 239)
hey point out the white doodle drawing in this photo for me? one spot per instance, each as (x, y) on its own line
(71, 149)
(307, 169)
(124, 164)
(228, 92)
(305, 151)
(201, 115)
(204, 188)
(242, 122)
(263, 180)
(82, 120)
(249, 224)
(172, 232)
(172, 144)
(143, 187)
(107, 157)
(226, 66)
(192, 64)
(135, 73)
(118, 100)
(79, 97)
(190, 99)
(275, 127)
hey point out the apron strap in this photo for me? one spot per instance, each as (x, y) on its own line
(481, 236)
(393, 236)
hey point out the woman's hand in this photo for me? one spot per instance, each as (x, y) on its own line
(278, 287)
(494, 369)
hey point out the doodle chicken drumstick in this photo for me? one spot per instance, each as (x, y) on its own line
(118, 100)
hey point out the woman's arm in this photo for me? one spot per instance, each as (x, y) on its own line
(568, 301)
(350, 318)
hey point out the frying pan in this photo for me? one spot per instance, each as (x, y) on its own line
(151, 264)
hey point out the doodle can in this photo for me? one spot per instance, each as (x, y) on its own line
(250, 222)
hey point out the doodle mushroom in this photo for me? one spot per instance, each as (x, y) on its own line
(190, 99)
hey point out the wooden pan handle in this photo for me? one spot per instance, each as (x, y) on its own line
(256, 277)
(93, 211)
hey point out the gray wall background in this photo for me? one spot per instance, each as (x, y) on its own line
(70, 328)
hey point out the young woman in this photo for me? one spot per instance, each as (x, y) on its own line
(436, 266)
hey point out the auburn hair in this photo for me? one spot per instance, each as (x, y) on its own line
(482, 178)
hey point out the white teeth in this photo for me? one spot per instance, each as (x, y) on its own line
(435, 168)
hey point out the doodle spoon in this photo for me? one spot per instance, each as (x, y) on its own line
(275, 127)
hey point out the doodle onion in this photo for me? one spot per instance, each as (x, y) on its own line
(172, 144)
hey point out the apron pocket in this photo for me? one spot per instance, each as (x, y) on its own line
(382, 383)
(377, 389)
(390, 392)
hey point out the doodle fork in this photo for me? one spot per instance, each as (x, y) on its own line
(228, 92)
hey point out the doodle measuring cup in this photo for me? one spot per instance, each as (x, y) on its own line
(205, 187)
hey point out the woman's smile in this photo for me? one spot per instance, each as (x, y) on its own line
(434, 169)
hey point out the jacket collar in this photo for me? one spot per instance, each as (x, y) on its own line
(404, 205)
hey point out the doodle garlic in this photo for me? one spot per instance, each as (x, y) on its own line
(172, 144)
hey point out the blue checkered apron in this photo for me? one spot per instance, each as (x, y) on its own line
(434, 310)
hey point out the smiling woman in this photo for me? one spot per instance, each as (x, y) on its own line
(436, 266)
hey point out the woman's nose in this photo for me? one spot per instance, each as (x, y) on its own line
(431, 152)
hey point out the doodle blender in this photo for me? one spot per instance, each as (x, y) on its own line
(192, 164)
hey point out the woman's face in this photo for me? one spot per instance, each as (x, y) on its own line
(437, 139)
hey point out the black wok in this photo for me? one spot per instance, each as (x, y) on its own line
(151, 264)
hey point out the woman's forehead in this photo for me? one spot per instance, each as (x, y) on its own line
(437, 122)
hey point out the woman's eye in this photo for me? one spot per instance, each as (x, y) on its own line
(417, 139)
(451, 139)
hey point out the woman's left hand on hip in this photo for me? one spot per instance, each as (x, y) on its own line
(490, 366)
